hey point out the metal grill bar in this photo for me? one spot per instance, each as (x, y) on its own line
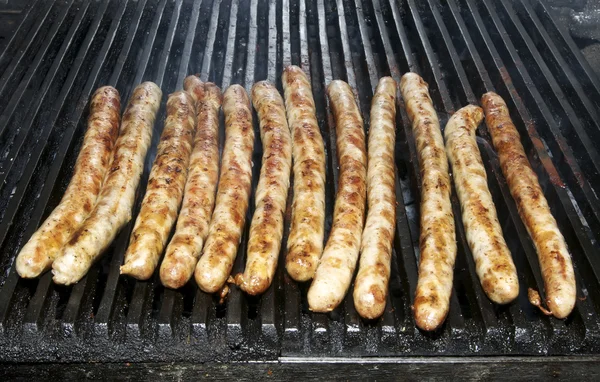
(10, 282)
(16, 62)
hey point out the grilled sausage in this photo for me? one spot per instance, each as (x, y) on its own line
(305, 240)
(337, 265)
(115, 202)
(437, 239)
(266, 229)
(80, 196)
(493, 262)
(554, 258)
(371, 284)
(199, 198)
(165, 189)
(233, 193)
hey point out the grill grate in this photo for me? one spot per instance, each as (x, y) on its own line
(63, 50)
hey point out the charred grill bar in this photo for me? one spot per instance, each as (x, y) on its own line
(62, 51)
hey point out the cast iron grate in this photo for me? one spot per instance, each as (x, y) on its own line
(63, 50)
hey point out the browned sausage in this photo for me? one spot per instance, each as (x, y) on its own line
(437, 240)
(165, 189)
(305, 240)
(233, 194)
(337, 265)
(493, 262)
(80, 197)
(199, 199)
(266, 229)
(371, 284)
(115, 202)
(554, 258)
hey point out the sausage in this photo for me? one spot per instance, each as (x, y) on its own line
(554, 258)
(371, 284)
(437, 240)
(266, 229)
(113, 209)
(80, 196)
(305, 239)
(199, 198)
(233, 193)
(493, 261)
(165, 189)
(335, 270)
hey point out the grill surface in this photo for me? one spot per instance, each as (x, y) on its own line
(65, 49)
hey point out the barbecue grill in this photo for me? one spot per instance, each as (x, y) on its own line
(62, 51)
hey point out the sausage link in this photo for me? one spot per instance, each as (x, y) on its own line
(305, 240)
(371, 284)
(437, 239)
(554, 258)
(80, 196)
(199, 198)
(115, 202)
(229, 216)
(266, 229)
(165, 189)
(337, 265)
(493, 261)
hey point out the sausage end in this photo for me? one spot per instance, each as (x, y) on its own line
(66, 270)
(428, 319)
(174, 276)
(561, 306)
(301, 271)
(28, 266)
(252, 285)
(502, 292)
(369, 303)
(207, 281)
(321, 300)
(138, 271)
(62, 278)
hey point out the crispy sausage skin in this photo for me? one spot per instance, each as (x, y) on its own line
(115, 202)
(233, 193)
(80, 196)
(165, 189)
(371, 284)
(493, 262)
(305, 240)
(337, 265)
(266, 229)
(199, 198)
(437, 240)
(554, 258)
